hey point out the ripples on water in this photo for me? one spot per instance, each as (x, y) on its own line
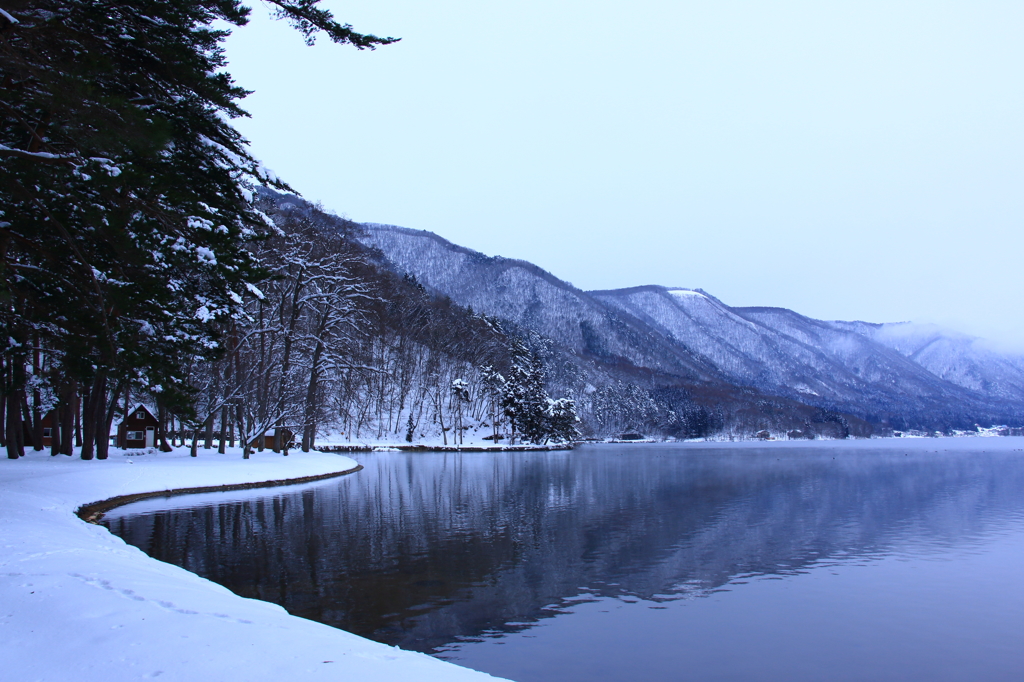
(891, 561)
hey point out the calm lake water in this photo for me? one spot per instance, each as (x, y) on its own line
(871, 560)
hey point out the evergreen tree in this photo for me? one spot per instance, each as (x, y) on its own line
(525, 402)
(493, 388)
(125, 193)
(561, 420)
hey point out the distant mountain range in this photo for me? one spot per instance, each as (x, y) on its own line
(894, 375)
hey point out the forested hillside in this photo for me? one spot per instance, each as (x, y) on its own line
(680, 362)
(335, 344)
(331, 343)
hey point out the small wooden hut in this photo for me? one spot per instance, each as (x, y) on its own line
(48, 428)
(267, 440)
(138, 430)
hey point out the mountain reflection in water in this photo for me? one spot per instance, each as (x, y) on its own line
(422, 550)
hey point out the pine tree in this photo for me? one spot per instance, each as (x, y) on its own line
(126, 195)
(525, 401)
(493, 388)
(561, 420)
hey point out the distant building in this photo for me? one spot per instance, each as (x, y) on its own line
(48, 428)
(267, 440)
(138, 430)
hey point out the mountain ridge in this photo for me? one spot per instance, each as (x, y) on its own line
(689, 335)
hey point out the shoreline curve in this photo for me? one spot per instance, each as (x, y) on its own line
(93, 512)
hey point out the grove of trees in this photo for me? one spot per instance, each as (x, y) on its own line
(334, 342)
(132, 248)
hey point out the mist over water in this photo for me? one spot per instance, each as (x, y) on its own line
(813, 561)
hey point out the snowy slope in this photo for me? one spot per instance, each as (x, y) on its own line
(863, 368)
(80, 604)
(964, 360)
(874, 365)
(530, 297)
(780, 351)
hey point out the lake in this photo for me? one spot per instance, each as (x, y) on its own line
(863, 560)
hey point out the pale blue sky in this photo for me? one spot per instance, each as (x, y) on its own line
(848, 160)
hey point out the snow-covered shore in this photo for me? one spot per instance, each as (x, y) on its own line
(78, 603)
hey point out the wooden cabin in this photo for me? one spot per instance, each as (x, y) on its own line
(138, 430)
(267, 440)
(48, 423)
(48, 428)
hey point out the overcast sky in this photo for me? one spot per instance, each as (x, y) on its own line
(848, 160)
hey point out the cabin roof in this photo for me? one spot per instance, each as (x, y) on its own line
(131, 420)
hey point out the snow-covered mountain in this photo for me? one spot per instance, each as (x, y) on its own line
(964, 360)
(534, 299)
(875, 371)
(779, 351)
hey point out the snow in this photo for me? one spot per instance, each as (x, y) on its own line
(31, 155)
(686, 292)
(206, 255)
(474, 435)
(78, 603)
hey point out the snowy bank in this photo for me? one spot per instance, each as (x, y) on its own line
(78, 603)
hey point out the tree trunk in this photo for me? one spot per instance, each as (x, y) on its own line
(127, 402)
(107, 420)
(13, 385)
(222, 447)
(37, 416)
(77, 409)
(30, 429)
(92, 418)
(161, 430)
(69, 402)
(308, 431)
(245, 438)
(14, 427)
(440, 420)
(309, 419)
(55, 422)
(209, 432)
(99, 412)
(3, 418)
(88, 422)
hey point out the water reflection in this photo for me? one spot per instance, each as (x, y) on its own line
(422, 550)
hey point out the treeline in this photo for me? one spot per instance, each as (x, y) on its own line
(333, 343)
(329, 342)
(125, 207)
